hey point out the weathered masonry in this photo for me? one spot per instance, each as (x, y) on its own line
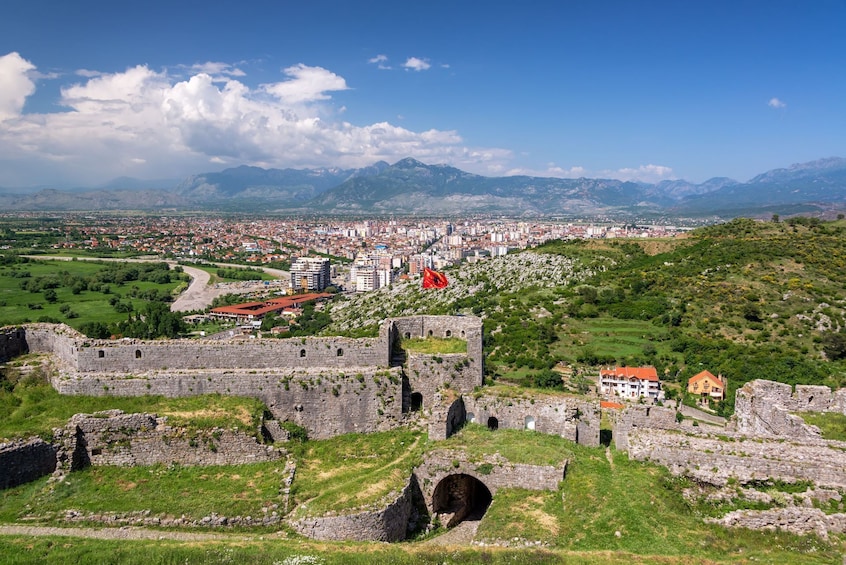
(329, 385)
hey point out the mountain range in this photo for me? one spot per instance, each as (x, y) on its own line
(411, 187)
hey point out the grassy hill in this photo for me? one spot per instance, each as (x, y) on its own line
(746, 299)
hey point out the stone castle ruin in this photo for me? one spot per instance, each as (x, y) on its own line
(327, 385)
(765, 443)
(337, 385)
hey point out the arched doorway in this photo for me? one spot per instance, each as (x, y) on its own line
(493, 423)
(416, 401)
(460, 497)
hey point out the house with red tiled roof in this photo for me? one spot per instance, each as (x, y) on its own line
(630, 382)
(707, 386)
(254, 311)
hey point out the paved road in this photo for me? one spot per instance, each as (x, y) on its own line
(199, 294)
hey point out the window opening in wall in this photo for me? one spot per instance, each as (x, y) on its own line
(302, 352)
(138, 354)
(493, 423)
(529, 424)
(449, 333)
(101, 354)
(407, 335)
(430, 333)
(96, 451)
(462, 333)
(647, 411)
(471, 417)
(340, 352)
(416, 401)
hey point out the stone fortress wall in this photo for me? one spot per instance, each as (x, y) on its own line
(572, 418)
(23, 461)
(763, 443)
(127, 440)
(764, 408)
(330, 386)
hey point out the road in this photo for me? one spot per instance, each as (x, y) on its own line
(199, 293)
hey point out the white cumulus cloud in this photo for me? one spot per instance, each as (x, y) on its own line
(415, 64)
(149, 124)
(776, 103)
(218, 69)
(307, 84)
(15, 84)
(643, 173)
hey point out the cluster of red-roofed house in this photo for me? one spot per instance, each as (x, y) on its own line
(635, 383)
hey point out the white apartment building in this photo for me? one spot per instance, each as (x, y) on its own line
(630, 382)
(310, 273)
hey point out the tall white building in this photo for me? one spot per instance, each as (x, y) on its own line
(310, 273)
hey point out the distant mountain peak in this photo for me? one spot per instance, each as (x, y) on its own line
(410, 163)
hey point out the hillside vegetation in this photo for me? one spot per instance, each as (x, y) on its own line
(744, 299)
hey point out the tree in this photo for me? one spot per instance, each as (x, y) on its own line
(834, 346)
(269, 321)
(50, 296)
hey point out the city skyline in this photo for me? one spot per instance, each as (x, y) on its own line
(93, 91)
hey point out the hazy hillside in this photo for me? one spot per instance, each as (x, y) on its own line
(411, 187)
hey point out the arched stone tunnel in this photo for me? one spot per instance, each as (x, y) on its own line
(460, 497)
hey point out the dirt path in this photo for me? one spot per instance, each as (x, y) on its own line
(609, 457)
(119, 533)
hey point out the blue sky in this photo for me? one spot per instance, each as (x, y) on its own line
(92, 90)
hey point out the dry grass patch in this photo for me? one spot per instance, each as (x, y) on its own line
(241, 414)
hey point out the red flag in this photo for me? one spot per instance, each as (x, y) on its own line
(433, 279)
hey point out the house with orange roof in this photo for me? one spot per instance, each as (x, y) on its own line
(253, 311)
(630, 382)
(707, 386)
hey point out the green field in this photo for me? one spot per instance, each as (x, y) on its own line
(74, 306)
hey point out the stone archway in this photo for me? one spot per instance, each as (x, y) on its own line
(460, 497)
(493, 423)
